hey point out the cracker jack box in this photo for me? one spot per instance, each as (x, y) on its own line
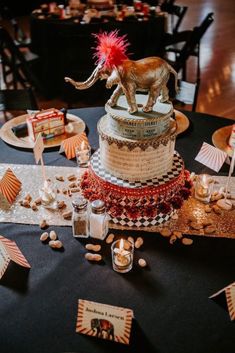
(49, 123)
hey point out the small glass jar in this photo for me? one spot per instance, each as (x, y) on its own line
(80, 220)
(99, 220)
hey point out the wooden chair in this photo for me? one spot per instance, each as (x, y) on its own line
(17, 71)
(185, 44)
(176, 14)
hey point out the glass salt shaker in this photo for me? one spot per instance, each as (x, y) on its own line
(80, 221)
(99, 220)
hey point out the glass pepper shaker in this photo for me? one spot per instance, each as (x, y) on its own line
(98, 220)
(80, 220)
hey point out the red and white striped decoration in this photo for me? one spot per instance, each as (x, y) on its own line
(69, 145)
(230, 297)
(123, 329)
(14, 252)
(211, 157)
(10, 186)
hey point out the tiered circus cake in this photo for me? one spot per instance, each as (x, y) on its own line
(136, 170)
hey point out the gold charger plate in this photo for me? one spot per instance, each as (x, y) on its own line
(221, 137)
(77, 126)
(182, 122)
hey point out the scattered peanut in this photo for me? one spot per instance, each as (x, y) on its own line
(139, 242)
(209, 229)
(59, 177)
(25, 203)
(73, 190)
(165, 232)
(28, 197)
(55, 244)
(71, 177)
(44, 236)
(187, 241)
(216, 209)
(178, 234)
(110, 238)
(142, 263)
(73, 185)
(67, 215)
(64, 191)
(131, 240)
(93, 257)
(208, 209)
(175, 216)
(225, 204)
(34, 206)
(93, 247)
(61, 204)
(38, 201)
(43, 224)
(206, 223)
(196, 226)
(173, 238)
(53, 235)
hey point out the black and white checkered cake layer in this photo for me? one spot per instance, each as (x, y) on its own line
(177, 167)
(142, 221)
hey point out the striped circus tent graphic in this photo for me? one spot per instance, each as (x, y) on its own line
(104, 321)
(230, 297)
(11, 253)
(10, 186)
(69, 145)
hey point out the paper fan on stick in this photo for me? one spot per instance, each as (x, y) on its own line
(10, 186)
(69, 145)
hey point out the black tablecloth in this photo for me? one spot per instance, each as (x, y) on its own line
(170, 299)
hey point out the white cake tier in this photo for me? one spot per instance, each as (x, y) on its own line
(139, 125)
(135, 160)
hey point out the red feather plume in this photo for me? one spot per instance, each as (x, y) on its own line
(110, 49)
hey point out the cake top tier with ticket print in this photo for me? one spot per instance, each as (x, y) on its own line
(140, 125)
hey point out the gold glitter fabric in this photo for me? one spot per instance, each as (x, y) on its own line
(32, 181)
(224, 224)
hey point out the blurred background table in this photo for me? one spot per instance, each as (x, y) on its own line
(65, 47)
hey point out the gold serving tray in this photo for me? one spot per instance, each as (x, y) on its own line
(75, 124)
(221, 137)
(182, 122)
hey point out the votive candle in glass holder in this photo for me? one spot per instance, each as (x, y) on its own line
(48, 195)
(203, 187)
(122, 255)
(83, 154)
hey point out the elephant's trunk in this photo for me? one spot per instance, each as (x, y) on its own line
(91, 80)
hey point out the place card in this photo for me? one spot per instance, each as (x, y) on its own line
(68, 146)
(10, 186)
(38, 148)
(229, 293)
(211, 157)
(104, 321)
(9, 251)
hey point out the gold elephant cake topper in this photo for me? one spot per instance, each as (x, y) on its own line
(150, 74)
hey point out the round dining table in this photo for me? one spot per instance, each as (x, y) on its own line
(169, 298)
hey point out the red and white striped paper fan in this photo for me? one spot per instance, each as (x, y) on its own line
(69, 145)
(10, 186)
